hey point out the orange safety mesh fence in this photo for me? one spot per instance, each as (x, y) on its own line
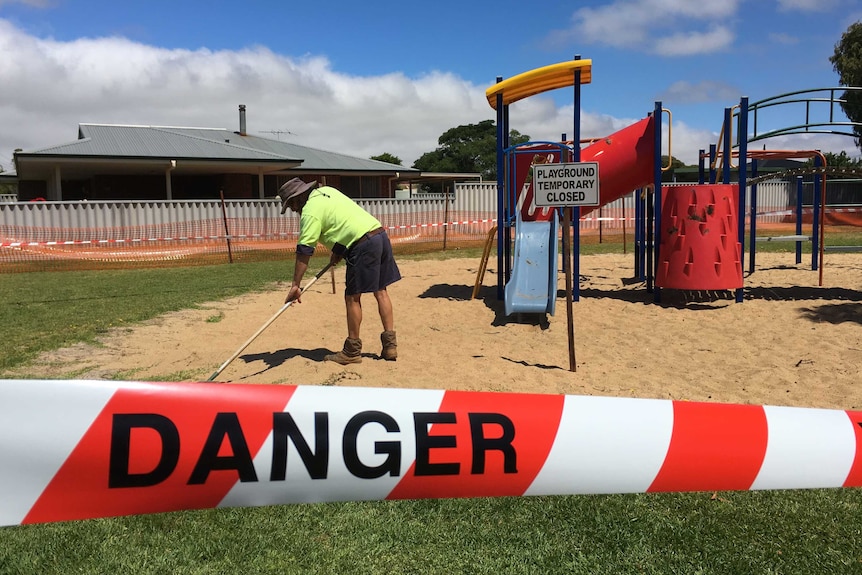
(202, 242)
(205, 241)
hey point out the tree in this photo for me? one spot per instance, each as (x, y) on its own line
(7, 189)
(847, 62)
(470, 148)
(388, 158)
(674, 162)
(841, 160)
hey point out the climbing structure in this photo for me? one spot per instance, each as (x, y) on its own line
(699, 246)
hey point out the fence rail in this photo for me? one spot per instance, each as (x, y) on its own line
(192, 231)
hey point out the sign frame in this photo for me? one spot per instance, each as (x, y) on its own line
(571, 184)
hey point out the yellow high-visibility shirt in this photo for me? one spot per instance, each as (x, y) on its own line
(329, 217)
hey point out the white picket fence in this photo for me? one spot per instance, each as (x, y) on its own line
(472, 204)
(469, 213)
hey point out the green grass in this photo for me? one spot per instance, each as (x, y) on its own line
(849, 238)
(805, 532)
(48, 310)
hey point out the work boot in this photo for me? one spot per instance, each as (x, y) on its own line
(350, 353)
(390, 346)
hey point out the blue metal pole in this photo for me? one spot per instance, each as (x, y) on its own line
(656, 194)
(639, 235)
(799, 218)
(713, 154)
(565, 156)
(752, 232)
(817, 198)
(726, 148)
(743, 179)
(501, 194)
(576, 212)
(512, 205)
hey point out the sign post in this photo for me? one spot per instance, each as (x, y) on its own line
(566, 186)
(567, 250)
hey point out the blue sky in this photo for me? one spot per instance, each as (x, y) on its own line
(368, 78)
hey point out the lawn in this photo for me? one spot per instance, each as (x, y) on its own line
(729, 533)
(770, 532)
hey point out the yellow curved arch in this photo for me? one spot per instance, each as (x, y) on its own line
(539, 80)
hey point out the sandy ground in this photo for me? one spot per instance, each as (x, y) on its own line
(789, 343)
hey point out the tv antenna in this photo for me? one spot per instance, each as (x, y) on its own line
(278, 133)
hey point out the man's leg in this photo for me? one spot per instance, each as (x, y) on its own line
(352, 350)
(354, 314)
(384, 307)
(387, 318)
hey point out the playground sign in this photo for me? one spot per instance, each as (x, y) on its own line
(564, 185)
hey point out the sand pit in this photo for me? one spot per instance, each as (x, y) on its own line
(790, 342)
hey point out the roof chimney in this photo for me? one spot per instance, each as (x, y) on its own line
(242, 120)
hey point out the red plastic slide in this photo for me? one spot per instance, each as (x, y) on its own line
(625, 161)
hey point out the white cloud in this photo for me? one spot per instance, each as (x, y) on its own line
(33, 3)
(688, 43)
(542, 121)
(666, 27)
(825, 142)
(48, 87)
(806, 5)
(684, 92)
(687, 141)
(781, 38)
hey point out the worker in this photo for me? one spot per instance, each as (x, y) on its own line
(329, 217)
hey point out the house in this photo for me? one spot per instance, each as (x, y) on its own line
(127, 162)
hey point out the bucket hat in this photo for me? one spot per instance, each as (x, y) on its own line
(292, 189)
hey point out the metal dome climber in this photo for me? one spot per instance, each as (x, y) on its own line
(820, 113)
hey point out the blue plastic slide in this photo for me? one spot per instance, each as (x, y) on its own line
(533, 285)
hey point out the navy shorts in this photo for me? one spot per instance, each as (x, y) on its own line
(370, 266)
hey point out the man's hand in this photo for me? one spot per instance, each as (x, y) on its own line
(334, 259)
(294, 293)
(299, 267)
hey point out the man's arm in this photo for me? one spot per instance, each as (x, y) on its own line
(299, 268)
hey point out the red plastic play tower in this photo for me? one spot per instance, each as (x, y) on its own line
(698, 246)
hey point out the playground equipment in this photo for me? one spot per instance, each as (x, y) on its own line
(483, 265)
(699, 233)
(747, 132)
(698, 247)
(526, 276)
(532, 287)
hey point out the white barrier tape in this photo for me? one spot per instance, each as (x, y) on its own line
(88, 449)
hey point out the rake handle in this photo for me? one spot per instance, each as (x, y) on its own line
(267, 324)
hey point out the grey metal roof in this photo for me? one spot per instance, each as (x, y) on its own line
(119, 141)
(322, 160)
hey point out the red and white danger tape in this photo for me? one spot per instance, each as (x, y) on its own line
(87, 449)
(219, 237)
